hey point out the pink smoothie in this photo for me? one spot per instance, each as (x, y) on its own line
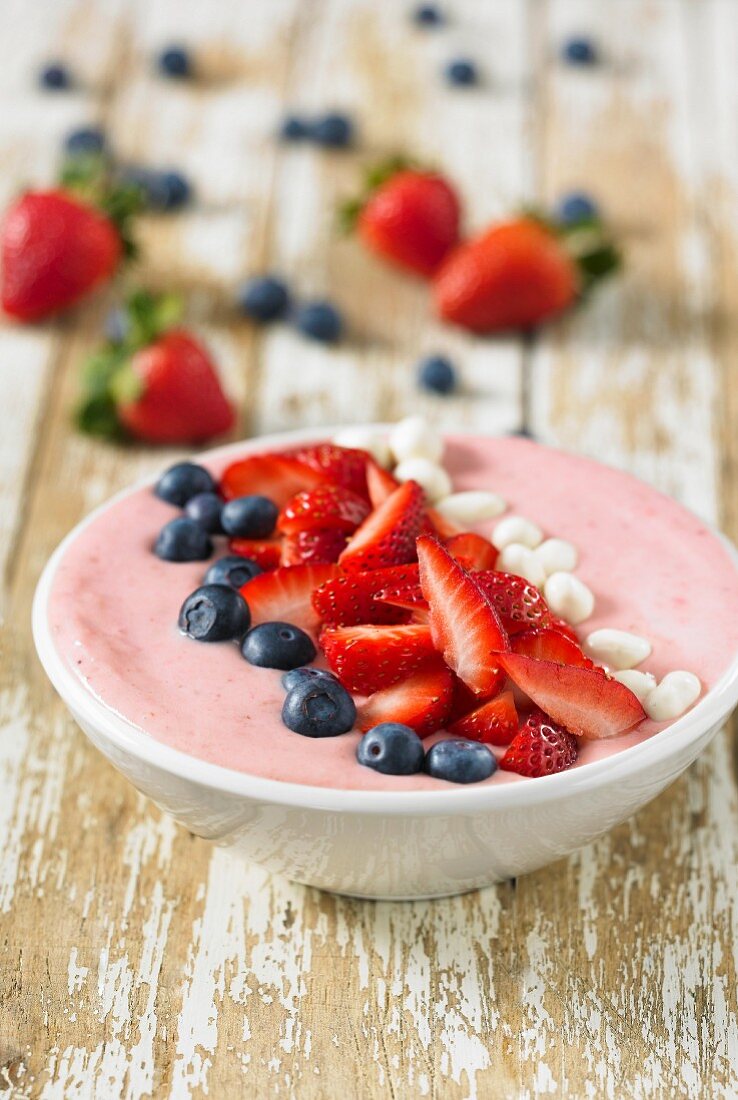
(655, 570)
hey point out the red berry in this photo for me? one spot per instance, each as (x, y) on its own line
(55, 250)
(422, 701)
(324, 506)
(518, 602)
(349, 600)
(540, 748)
(380, 483)
(265, 552)
(285, 595)
(494, 723)
(275, 476)
(344, 466)
(313, 547)
(388, 536)
(550, 645)
(369, 658)
(473, 551)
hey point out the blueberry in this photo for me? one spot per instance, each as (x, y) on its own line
(428, 15)
(319, 708)
(297, 676)
(117, 326)
(579, 51)
(205, 509)
(436, 374)
(183, 540)
(250, 517)
(278, 645)
(88, 140)
(392, 749)
(232, 570)
(461, 72)
(183, 481)
(263, 298)
(333, 131)
(55, 76)
(576, 207)
(320, 321)
(175, 61)
(460, 761)
(168, 190)
(214, 613)
(294, 128)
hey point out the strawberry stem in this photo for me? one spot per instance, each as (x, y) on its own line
(374, 177)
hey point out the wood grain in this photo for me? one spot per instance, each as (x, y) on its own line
(135, 959)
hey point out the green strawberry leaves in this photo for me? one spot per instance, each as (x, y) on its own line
(589, 244)
(374, 176)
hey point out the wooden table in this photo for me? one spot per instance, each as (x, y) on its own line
(138, 960)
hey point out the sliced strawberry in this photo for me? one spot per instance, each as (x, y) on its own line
(369, 658)
(550, 645)
(285, 595)
(540, 748)
(380, 483)
(278, 477)
(422, 701)
(313, 547)
(349, 600)
(438, 525)
(465, 701)
(388, 536)
(324, 506)
(344, 466)
(404, 595)
(555, 623)
(465, 626)
(265, 552)
(473, 551)
(518, 602)
(494, 723)
(583, 700)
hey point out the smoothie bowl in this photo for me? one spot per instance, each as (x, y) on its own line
(407, 669)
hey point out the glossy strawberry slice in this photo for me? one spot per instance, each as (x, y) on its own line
(518, 602)
(344, 466)
(422, 701)
(380, 483)
(540, 748)
(278, 477)
(584, 701)
(465, 626)
(438, 525)
(324, 506)
(266, 553)
(494, 723)
(313, 547)
(549, 645)
(388, 536)
(473, 551)
(369, 658)
(285, 595)
(349, 600)
(555, 623)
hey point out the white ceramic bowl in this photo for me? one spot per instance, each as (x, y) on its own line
(386, 844)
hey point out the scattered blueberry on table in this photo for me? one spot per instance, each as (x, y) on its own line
(333, 130)
(392, 749)
(428, 15)
(294, 128)
(87, 140)
(278, 645)
(181, 482)
(319, 707)
(575, 207)
(461, 72)
(233, 571)
(175, 62)
(320, 321)
(263, 298)
(214, 613)
(251, 517)
(169, 190)
(460, 761)
(297, 676)
(436, 374)
(55, 77)
(579, 51)
(183, 540)
(205, 509)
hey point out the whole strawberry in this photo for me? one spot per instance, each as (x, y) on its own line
(519, 274)
(408, 216)
(158, 384)
(54, 250)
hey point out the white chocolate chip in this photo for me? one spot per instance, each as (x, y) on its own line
(517, 529)
(432, 478)
(557, 556)
(415, 438)
(640, 683)
(472, 506)
(568, 597)
(366, 439)
(617, 649)
(675, 694)
(522, 561)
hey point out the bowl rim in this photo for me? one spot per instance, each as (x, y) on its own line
(708, 713)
